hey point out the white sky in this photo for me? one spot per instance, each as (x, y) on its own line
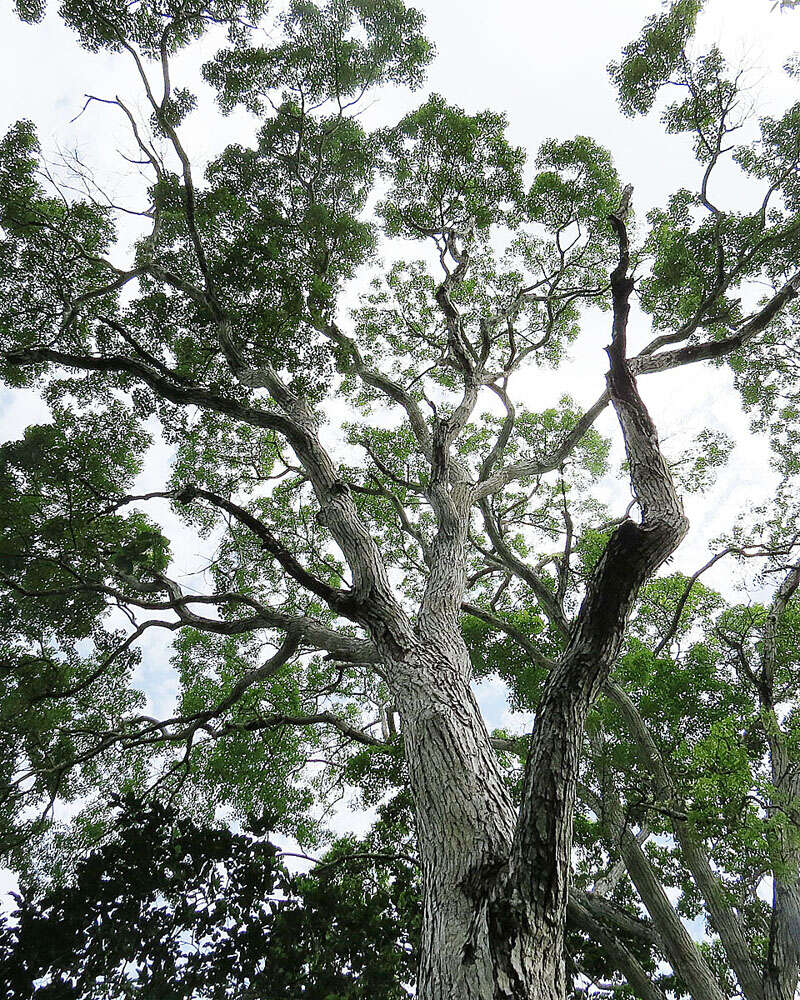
(544, 65)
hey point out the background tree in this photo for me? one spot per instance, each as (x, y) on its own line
(173, 909)
(333, 632)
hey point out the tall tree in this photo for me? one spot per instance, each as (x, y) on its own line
(343, 570)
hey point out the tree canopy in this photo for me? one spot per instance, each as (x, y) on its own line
(332, 328)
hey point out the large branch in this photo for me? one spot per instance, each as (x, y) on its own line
(711, 349)
(723, 916)
(305, 631)
(377, 380)
(501, 441)
(645, 364)
(676, 943)
(341, 601)
(380, 610)
(619, 955)
(613, 915)
(378, 607)
(783, 955)
(506, 555)
(336, 645)
(542, 848)
(450, 490)
(538, 467)
(172, 391)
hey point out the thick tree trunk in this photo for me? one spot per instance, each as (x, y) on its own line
(465, 819)
(783, 956)
(482, 938)
(496, 885)
(541, 855)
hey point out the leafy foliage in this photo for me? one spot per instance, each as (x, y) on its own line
(310, 443)
(172, 909)
(648, 62)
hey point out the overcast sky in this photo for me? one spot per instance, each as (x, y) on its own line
(544, 65)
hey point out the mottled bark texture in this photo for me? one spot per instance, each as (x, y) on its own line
(496, 882)
(464, 813)
(497, 886)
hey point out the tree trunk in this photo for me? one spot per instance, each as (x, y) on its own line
(541, 855)
(783, 956)
(465, 826)
(495, 885)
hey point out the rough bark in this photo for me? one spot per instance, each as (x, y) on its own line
(676, 942)
(530, 905)
(724, 919)
(496, 887)
(783, 957)
(496, 892)
(465, 818)
(464, 813)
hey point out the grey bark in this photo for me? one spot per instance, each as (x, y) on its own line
(783, 956)
(464, 813)
(532, 904)
(626, 963)
(676, 942)
(507, 884)
(496, 887)
(724, 919)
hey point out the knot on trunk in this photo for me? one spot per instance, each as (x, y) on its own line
(186, 494)
(480, 885)
(337, 490)
(482, 877)
(500, 922)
